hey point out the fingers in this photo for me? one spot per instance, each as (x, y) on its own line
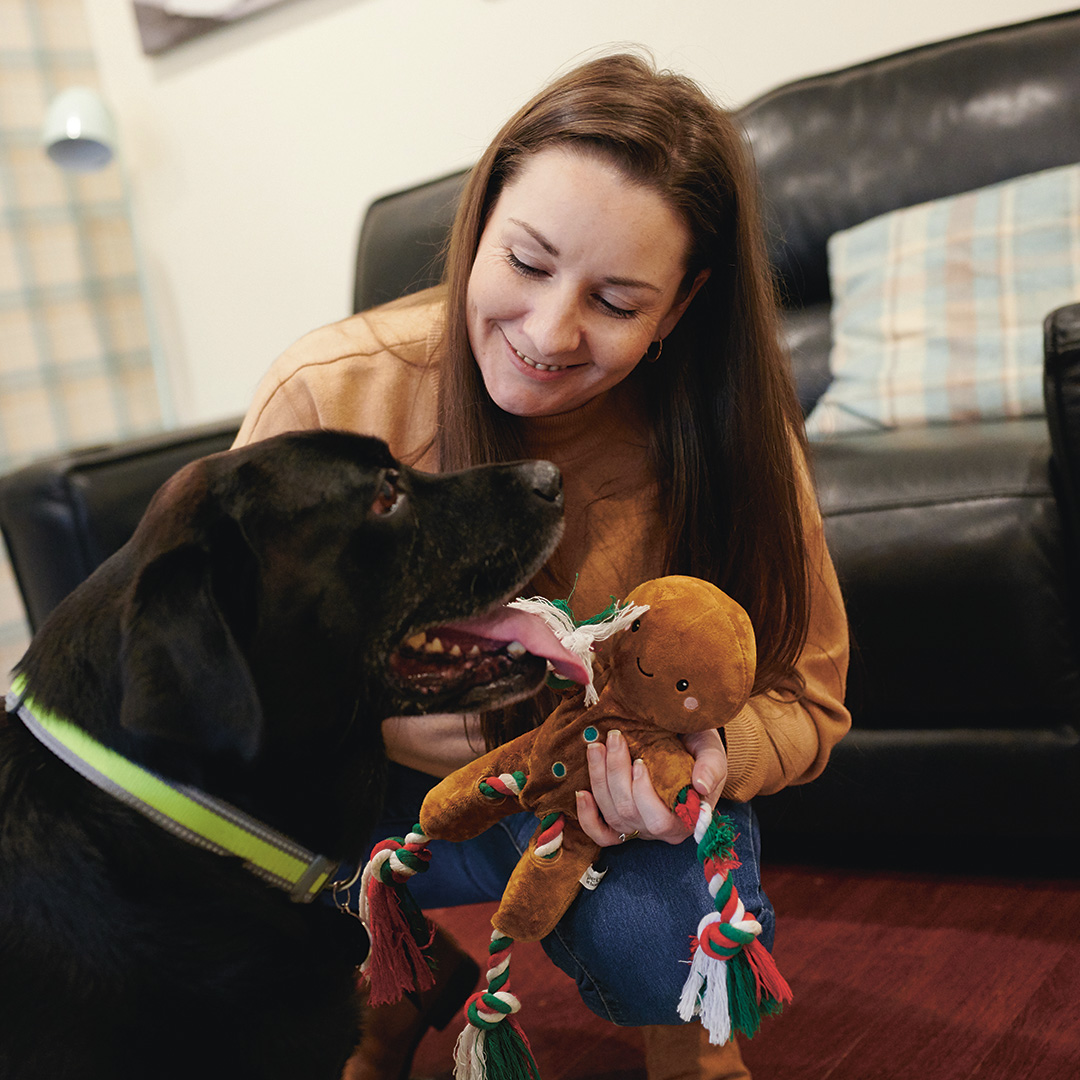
(592, 824)
(710, 763)
(623, 800)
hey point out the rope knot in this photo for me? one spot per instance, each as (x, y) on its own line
(485, 1009)
(397, 859)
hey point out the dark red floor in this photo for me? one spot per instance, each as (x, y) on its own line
(895, 976)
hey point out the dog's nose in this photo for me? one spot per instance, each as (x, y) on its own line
(546, 480)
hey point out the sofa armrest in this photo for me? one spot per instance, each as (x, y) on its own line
(63, 516)
(1061, 391)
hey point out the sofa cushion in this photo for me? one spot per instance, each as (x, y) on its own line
(958, 583)
(842, 147)
(938, 308)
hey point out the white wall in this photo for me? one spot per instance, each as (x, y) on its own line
(252, 152)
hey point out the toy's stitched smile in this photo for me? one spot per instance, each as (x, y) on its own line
(648, 675)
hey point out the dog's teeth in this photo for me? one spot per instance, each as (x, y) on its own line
(475, 650)
(455, 650)
(417, 641)
(434, 646)
(516, 650)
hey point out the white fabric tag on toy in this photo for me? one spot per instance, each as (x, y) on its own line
(592, 877)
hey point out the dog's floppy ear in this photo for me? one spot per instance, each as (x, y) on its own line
(184, 676)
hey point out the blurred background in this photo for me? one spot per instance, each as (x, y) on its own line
(155, 291)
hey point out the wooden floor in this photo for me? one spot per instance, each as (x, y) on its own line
(896, 976)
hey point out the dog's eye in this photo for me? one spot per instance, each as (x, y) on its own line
(387, 498)
(635, 626)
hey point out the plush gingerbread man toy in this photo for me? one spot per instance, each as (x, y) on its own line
(686, 662)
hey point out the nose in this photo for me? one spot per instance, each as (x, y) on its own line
(545, 479)
(553, 325)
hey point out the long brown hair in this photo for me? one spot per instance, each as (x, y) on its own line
(726, 427)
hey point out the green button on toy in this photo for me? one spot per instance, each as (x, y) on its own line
(559, 770)
(591, 734)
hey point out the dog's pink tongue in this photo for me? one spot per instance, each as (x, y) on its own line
(506, 624)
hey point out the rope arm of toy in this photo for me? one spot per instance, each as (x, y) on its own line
(397, 929)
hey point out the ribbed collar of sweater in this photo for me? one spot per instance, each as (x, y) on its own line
(613, 420)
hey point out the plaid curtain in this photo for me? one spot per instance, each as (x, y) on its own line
(75, 358)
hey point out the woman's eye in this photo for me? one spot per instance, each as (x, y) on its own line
(388, 497)
(523, 268)
(614, 311)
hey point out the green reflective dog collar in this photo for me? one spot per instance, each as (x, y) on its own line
(186, 812)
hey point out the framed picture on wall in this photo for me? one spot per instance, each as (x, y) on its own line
(164, 24)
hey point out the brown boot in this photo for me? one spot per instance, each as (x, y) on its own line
(389, 1034)
(683, 1052)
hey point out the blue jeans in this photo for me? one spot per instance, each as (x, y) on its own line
(626, 943)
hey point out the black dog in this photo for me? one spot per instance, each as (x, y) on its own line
(246, 642)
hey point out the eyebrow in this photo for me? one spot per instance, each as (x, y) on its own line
(552, 250)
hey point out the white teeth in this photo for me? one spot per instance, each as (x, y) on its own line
(475, 650)
(434, 646)
(417, 641)
(516, 649)
(455, 650)
(539, 367)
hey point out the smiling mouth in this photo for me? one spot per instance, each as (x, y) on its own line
(538, 367)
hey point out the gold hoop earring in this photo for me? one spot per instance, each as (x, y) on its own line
(659, 343)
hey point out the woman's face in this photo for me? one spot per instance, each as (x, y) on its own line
(578, 270)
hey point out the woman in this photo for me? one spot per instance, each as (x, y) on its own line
(608, 305)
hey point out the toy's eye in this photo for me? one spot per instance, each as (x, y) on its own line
(388, 497)
(682, 685)
(635, 626)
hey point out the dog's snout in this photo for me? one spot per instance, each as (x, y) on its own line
(546, 480)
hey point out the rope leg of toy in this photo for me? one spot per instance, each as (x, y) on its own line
(493, 1046)
(397, 928)
(549, 837)
(733, 981)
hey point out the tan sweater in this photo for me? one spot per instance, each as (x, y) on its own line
(377, 373)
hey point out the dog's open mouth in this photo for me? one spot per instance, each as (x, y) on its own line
(484, 651)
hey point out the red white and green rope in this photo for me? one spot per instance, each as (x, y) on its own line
(733, 981)
(580, 637)
(549, 837)
(396, 927)
(505, 785)
(493, 1046)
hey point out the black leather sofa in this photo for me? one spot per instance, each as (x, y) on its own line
(956, 545)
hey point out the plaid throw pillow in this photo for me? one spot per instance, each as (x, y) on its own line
(938, 308)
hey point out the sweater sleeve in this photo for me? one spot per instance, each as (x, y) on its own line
(777, 739)
(374, 374)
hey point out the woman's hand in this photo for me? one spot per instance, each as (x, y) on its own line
(623, 802)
